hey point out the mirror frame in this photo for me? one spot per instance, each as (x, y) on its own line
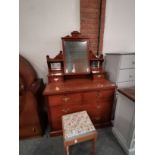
(75, 36)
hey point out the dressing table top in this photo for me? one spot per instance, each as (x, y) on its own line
(78, 85)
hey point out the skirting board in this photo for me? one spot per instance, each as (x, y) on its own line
(122, 141)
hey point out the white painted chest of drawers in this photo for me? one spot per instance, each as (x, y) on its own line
(120, 68)
(124, 123)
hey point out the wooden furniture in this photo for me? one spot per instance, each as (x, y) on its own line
(124, 123)
(121, 68)
(76, 82)
(32, 117)
(77, 127)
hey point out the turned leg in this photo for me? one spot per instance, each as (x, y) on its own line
(66, 150)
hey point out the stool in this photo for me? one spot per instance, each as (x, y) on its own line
(77, 127)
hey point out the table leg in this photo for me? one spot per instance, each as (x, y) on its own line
(94, 146)
(66, 150)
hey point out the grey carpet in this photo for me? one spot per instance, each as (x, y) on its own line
(106, 145)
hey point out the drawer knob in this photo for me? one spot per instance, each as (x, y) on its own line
(97, 118)
(66, 99)
(98, 107)
(130, 76)
(65, 110)
(34, 130)
(98, 95)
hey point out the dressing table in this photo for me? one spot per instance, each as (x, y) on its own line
(76, 83)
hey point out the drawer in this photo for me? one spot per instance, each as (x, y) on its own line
(100, 109)
(97, 96)
(89, 97)
(57, 112)
(29, 131)
(126, 84)
(127, 61)
(126, 75)
(64, 99)
(105, 95)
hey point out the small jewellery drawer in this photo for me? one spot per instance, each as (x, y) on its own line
(64, 99)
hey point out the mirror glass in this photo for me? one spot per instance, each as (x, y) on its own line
(76, 57)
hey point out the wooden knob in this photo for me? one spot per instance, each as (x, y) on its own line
(98, 95)
(65, 99)
(34, 130)
(65, 110)
(97, 118)
(98, 107)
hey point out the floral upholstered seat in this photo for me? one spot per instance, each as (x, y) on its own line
(76, 124)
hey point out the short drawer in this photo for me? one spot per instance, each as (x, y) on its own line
(64, 99)
(127, 61)
(126, 75)
(97, 96)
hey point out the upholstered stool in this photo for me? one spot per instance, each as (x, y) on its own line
(77, 127)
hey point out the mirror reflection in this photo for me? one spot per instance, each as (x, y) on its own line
(76, 57)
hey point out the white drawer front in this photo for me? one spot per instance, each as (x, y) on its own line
(125, 84)
(126, 75)
(127, 61)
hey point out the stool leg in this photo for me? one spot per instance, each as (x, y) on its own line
(66, 150)
(94, 146)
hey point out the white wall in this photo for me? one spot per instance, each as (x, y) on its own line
(42, 24)
(119, 26)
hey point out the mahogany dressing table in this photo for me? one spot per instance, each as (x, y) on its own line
(76, 82)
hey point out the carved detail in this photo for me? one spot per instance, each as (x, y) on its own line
(93, 56)
(74, 35)
(59, 56)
